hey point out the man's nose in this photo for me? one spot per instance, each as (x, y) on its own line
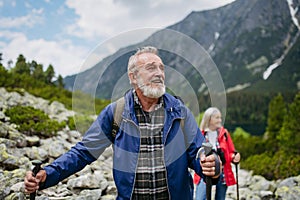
(159, 72)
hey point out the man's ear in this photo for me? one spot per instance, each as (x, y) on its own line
(132, 77)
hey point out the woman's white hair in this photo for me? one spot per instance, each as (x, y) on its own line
(207, 116)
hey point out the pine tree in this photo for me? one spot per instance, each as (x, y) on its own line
(49, 74)
(289, 137)
(38, 73)
(1, 59)
(21, 66)
(276, 113)
(60, 82)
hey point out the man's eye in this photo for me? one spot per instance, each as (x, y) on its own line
(151, 68)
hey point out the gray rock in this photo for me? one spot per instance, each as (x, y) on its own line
(20, 138)
(108, 197)
(8, 143)
(18, 187)
(2, 115)
(35, 153)
(55, 148)
(15, 196)
(90, 194)
(260, 183)
(57, 111)
(266, 194)
(32, 140)
(95, 179)
(285, 192)
(91, 181)
(290, 182)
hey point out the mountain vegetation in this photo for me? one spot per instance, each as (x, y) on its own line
(274, 154)
(32, 77)
(33, 122)
(244, 39)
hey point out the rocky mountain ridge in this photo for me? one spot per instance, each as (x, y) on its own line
(255, 45)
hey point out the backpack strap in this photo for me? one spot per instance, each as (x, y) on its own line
(225, 134)
(182, 120)
(120, 104)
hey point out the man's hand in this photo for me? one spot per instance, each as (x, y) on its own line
(31, 183)
(208, 164)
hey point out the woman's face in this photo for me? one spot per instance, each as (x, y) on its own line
(215, 121)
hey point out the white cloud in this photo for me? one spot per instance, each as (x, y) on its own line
(13, 3)
(27, 5)
(106, 18)
(29, 20)
(97, 18)
(63, 55)
(102, 20)
(10, 35)
(97, 21)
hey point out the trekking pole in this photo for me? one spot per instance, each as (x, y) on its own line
(37, 167)
(237, 181)
(207, 150)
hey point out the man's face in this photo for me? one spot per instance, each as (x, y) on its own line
(151, 75)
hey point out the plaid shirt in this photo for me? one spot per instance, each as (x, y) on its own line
(150, 180)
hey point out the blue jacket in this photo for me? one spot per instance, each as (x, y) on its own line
(180, 149)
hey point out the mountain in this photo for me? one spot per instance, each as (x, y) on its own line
(254, 44)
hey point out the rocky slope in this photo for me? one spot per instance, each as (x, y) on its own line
(95, 181)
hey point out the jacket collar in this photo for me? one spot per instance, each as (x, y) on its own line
(172, 105)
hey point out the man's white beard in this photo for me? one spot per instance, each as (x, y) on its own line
(149, 91)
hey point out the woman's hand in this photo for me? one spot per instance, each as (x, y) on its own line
(236, 157)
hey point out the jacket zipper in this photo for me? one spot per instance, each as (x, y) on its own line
(164, 157)
(132, 189)
(163, 160)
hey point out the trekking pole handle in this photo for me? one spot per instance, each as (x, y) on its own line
(206, 149)
(37, 167)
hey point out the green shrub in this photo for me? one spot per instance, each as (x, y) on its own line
(261, 164)
(246, 144)
(240, 133)
(71, 123)
(286, 165)
(32, 121)
(277, 166)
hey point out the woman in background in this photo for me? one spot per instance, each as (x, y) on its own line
(214, 133)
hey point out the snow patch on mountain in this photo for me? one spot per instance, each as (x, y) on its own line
(238, 87)
(212, 46)
(278, 62)
(293, 12)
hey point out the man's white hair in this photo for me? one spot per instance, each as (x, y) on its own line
(133, 59)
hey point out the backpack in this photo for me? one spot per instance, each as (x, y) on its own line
(120, 104)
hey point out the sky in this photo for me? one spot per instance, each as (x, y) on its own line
(63, 33)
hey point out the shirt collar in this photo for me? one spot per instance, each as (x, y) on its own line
(138, 103)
